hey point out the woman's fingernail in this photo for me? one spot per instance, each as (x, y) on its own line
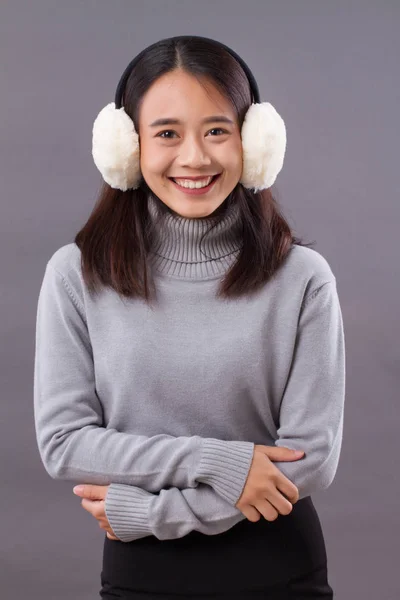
(78, 489)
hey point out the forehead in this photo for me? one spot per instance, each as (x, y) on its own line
(178, 92)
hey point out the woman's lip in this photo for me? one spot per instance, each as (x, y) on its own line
(199, 178)
(197, 191)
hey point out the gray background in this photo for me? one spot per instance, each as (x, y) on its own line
(329, 68)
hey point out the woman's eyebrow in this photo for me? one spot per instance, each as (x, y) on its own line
(170, 121)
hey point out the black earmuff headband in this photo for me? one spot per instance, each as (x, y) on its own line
(134, 61)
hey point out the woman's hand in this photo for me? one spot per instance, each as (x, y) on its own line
(267, 491)
(93, 497)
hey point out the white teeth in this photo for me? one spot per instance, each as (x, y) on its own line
(188, 183)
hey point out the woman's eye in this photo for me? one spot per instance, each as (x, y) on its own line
(218, 129)
(166, 131)
(162, 134)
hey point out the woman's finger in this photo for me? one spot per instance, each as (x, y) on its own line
(96, 509)
(87, 505)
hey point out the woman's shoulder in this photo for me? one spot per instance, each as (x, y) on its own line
(64, 266)
(307, 267)
(66, 260)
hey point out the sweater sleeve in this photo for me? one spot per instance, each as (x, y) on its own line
(73, 441)
(312, 406)
(134, 513)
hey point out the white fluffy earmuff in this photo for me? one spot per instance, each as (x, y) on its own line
(115, 147)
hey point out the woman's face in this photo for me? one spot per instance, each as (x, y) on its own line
(196, 144)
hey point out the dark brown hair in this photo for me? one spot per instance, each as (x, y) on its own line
(116, 239)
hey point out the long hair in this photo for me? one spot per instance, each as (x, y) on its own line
(116, 239)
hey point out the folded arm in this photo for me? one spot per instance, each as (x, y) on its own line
(311, 419)
(134, 513)
(312, 406)
(73, 442)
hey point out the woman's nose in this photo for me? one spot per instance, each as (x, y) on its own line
(193, 154)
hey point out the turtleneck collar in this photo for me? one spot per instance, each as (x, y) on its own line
(182, 248)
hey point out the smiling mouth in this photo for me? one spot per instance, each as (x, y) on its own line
(177, 180)
(195, 189)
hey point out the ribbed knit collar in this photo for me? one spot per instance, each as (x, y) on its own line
(182, 248)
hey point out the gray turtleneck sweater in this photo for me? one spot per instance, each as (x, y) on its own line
(166, 405)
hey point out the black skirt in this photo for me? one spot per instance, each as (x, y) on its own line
(275, 560)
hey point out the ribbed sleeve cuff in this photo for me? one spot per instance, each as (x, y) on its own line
(127, 509)
(225, 465)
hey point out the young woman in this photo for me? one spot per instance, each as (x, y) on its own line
(187, 343)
